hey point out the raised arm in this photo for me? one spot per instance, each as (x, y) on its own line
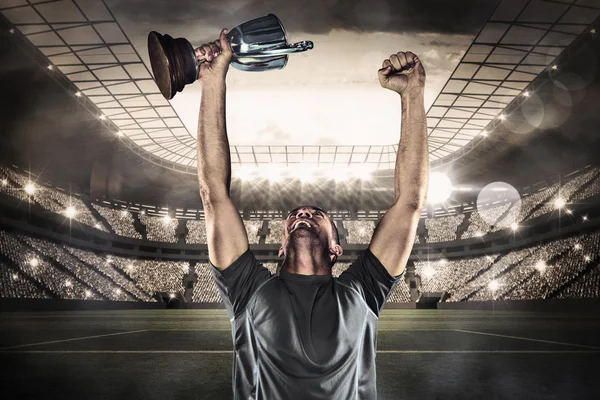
(226, 235)
(394, 236)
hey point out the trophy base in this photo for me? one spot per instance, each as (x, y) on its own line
(173, 61)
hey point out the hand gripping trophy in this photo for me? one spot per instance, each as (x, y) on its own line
(258, 45)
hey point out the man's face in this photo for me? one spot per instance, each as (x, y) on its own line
(307, 221)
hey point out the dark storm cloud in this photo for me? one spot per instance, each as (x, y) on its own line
(318, 16)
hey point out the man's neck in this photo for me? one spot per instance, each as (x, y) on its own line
(305, 261)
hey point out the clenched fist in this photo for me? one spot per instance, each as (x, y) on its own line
(217, 56)
(402, 73)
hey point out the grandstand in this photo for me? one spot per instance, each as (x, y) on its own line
(103, 236)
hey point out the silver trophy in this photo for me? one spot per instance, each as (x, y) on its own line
(258, 45)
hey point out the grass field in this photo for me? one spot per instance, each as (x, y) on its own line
(187, 354)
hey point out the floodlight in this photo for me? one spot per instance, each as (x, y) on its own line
(68, 283)
(554, 67)
(167, 219)
(502, 117)
(30, 188)
(526, 94)
(514, 226)
(440, 188)
(540, 266)
(70, 212)
(577, 246)
(78, 94)
(428, 271)
(15, 276)
(34, 262)
(494, 285)
(559, 203)
(4, 182)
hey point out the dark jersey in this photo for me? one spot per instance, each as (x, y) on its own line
(304, 336)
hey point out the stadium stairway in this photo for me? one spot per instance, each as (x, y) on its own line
(15, 269)
(583, 188)
(62, 268)
(97, 215)
(462, 228)
(139, 227)
(108, 277)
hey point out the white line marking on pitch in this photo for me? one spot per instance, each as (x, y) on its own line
(71, 340)
(230, 352)
(529, 339)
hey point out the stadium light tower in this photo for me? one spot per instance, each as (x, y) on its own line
(440, 188)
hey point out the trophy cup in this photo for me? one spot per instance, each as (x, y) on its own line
(258, 45)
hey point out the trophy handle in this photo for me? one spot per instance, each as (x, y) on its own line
(291, 48)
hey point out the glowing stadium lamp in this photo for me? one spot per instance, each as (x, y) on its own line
(428, 271)
(585, 217)
(124, 213)
(494, 285)
(167, 219)
(30, 188)
(78, 94)
(305, 173)
(97, 226)
(554, 67)
(273, 174)
(540, 266)
(119, 134)
(502, 117)
(484, 133)
(577, 246)
(172, 295)
(88, 293)
(4, 182)
(130, 267)
(68, 283)
(245, 172)
(559, 203)
(478, 234)
(440, 188)
(12, 30)
(364, 172)
(514, 226)
(70, 212)
(34, 262)
(50, 67)
(15, 277)
(118, 291)
(587, 258)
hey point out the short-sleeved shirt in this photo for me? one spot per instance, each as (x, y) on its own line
(304, 336)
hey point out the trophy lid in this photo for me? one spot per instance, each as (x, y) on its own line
(157, 50)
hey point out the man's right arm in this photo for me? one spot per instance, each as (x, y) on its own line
(226, 234)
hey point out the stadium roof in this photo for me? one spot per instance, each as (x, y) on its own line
(110, 75)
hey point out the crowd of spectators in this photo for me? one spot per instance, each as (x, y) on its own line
(16, 285)
(439, 229)
(160, 229)
(87, 274)
(359, 232)
(196, 231)
(154, 276)
(586, 286)
(56, 282)
(443, 229)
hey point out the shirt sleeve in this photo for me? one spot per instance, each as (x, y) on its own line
(238, 282)
(370, 278)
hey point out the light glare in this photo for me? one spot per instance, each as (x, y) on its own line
(440, 188)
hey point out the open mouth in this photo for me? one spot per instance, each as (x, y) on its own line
(300, 224)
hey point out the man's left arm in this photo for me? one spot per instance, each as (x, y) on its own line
(394, 235)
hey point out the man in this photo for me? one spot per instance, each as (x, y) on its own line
(303, 334)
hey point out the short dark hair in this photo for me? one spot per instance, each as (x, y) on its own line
(335, 231)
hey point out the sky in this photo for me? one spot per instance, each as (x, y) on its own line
(329, 95)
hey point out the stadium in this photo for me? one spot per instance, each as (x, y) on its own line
(105, 285)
